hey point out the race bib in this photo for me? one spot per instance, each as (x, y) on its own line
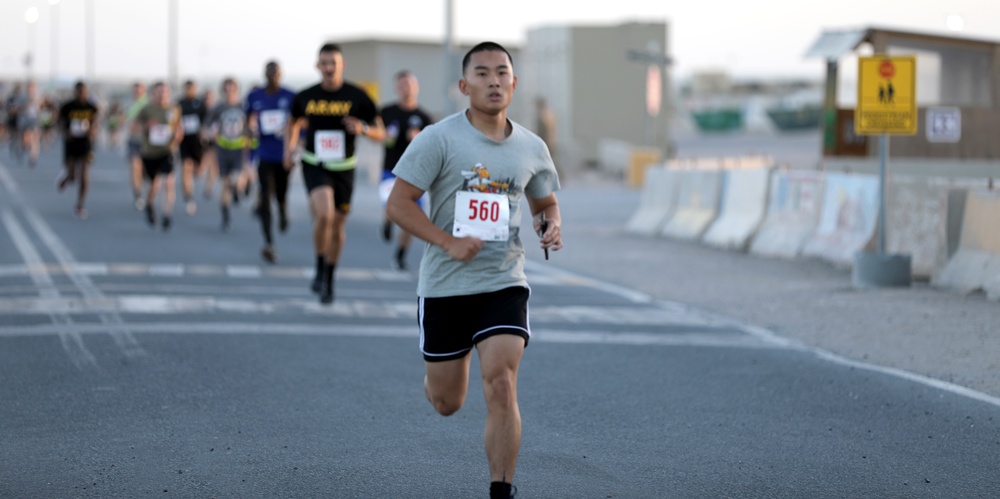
(272, 122)
(191, 123)
(482, 215)
(79, 128)
(330, 145)
(159, 135)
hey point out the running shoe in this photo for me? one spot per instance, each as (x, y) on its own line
(139, 202)
(80, 213)
(166, 224)
(268, 253)
(61, 181)
(150, 216)
(191, 208)
(326, 297)
(399, 260)
(282, 221)
(225, 218)
(386, 231)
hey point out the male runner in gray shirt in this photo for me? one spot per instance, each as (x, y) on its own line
(477, 166)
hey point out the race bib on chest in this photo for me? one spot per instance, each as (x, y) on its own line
(191, 123)
(482, 215)
(272, 121)
(330, 145)
(79, 128)
(159, 135)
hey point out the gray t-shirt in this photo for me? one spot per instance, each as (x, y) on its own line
(231, 121)
(451, 157)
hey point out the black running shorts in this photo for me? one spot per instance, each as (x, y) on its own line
(77, 150)
(451, 326)
(342, 183)
(151, 167)
(192, 149)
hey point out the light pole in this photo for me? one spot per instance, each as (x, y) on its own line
(172, 18)
(89, 41)
(54, 28)
(30, 17)
(449, 56)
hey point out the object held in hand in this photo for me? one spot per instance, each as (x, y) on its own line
(542, 227)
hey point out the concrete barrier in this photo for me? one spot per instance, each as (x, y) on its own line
(659, 196)
(744, 203)
(697, 204)
(976, 264)
(917, 219)
(794, 205)
(848, 219)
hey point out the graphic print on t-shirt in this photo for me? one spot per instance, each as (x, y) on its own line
(482, 207)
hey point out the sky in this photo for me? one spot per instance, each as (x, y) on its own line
(750, 39)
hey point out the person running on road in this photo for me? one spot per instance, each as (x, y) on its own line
(113, 121)
(403, 120)
(159, 123)
(208, 160)
(268, 110)
(78, 121)
(335, 113)
(229, 120)
(192, 116)
(13, 133)
(29, 108)
(477, 165)
(136, 139)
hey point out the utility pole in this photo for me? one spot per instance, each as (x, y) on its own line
(449, 56)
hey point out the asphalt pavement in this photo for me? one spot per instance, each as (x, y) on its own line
(136, 362)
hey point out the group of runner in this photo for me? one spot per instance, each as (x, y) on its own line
(477, 166)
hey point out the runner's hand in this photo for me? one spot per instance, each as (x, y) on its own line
(463, 249)
(353, 125)
(552, 237)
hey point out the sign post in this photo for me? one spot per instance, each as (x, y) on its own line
(887, 105)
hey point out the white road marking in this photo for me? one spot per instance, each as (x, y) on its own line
(71, 341)
(122, 337)
(543, 335)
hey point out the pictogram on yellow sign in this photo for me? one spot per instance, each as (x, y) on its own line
(887, 96)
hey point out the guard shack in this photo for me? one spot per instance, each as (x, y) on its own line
(958, 73)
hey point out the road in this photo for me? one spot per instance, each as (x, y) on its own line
(136, 362)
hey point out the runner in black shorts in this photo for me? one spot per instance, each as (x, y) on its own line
(268, 109)
(78, 122)
(160, 123)
(192, 116)
(477, 166)
(334, 113)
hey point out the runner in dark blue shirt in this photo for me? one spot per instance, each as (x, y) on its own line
(268, 109)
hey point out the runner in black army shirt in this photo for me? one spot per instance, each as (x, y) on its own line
(334, 112)
(78, 122)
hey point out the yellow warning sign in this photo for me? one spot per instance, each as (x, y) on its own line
(887, 96)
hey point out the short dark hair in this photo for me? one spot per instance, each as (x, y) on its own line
(80, 85)
(402, 73)
(189, 83)
(485, 47)
(330, 47)
(227, 81)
